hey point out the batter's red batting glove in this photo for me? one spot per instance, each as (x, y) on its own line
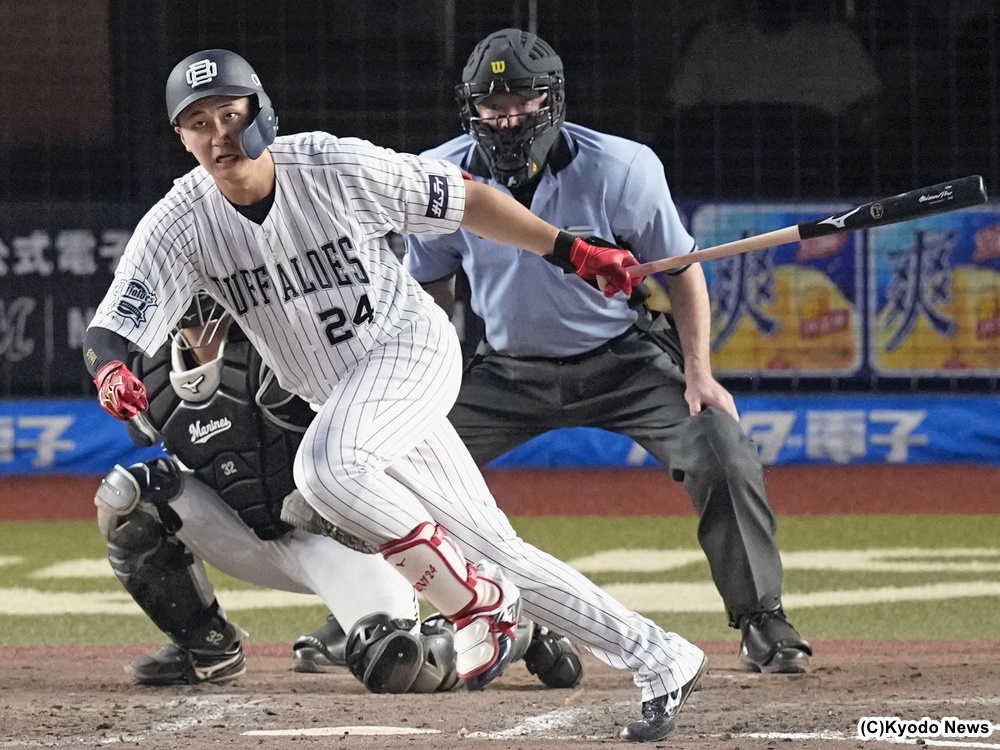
(121, 394)
(594, 257)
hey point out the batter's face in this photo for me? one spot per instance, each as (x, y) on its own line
(210, 130)
(504, 111)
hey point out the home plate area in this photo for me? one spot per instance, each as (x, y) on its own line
(79, 697)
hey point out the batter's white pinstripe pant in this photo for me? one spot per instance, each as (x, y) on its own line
(381, 458)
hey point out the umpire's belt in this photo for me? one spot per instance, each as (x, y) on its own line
(584, 356)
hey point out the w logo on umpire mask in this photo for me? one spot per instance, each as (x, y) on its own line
(201, 72)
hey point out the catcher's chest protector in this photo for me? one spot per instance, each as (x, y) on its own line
(225, 439)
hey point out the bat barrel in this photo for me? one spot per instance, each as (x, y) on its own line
(963, 192)
(914, 204)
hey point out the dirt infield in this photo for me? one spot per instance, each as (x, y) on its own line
(792, 490)
(81, 697)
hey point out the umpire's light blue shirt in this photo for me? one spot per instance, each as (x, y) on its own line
(611, 187)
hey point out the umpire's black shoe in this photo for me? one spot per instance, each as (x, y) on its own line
(770, 644)
(175, 665)
(321, 650)
(659, 715)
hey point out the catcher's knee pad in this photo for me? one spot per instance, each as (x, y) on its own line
(159, 573)
(553, 659)
(438, 672)
(156, 481)
(383, 653)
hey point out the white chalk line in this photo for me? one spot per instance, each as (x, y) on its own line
(540, 725)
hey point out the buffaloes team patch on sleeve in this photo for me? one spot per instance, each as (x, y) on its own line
(437, 205)
(135, 299)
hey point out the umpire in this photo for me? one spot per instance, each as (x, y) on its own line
(558, 354)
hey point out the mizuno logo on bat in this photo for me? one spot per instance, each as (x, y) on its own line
(192, 385)
(838, 221)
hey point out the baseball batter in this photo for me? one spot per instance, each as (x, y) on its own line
(218, 411)
(571, 358)
(289, 234)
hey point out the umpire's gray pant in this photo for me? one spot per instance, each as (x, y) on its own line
(634, 385)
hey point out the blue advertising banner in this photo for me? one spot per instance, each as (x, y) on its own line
(70, 436)
(75, 436)
(810, 430)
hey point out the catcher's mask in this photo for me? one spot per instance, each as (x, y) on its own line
(204, 315)
(219, 72)
(516, 62)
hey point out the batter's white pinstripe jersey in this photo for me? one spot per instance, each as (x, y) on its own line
(315, 286)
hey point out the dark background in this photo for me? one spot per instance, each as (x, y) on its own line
(85, 125)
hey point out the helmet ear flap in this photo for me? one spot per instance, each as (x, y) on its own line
(260, 133)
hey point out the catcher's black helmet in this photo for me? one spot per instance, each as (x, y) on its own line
(219, 72)
(513, 61)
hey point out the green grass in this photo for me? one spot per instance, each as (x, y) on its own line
(42, 544)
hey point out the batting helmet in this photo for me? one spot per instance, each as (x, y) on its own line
(219, 72)
(513, 61)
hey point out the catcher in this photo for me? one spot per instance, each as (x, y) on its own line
(233, 434)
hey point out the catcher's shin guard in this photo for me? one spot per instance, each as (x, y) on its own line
(482, 604)
(167, 582)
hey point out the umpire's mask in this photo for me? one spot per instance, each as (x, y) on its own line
(513, 61)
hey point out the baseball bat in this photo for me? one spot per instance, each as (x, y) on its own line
(914, 204)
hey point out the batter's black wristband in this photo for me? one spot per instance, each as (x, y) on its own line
(560, 255)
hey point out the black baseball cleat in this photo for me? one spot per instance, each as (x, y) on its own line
(176, 665)
(321, 650)
(771, 645)
(659, 715)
